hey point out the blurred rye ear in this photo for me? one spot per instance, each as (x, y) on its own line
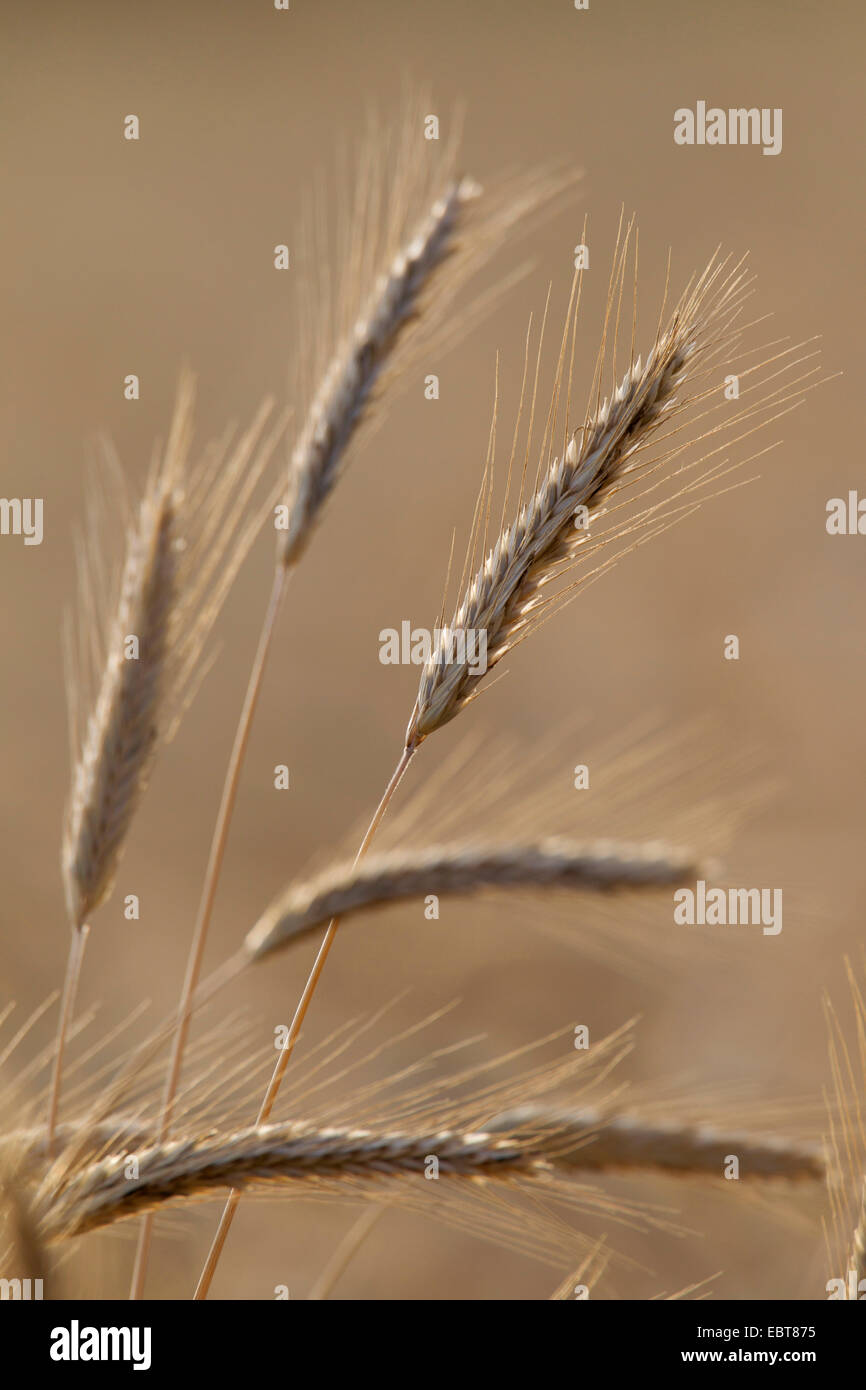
(137, 662)
(383, 286)
(545, 1131)
(346, 387)
(579, 469)
(409, 238)
(462, 869)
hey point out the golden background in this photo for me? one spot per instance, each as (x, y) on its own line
(123, 257)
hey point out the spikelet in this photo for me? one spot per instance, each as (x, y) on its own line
(554, 527)
(184, 543)
(412, 234)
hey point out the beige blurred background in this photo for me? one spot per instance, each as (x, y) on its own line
(123, 257)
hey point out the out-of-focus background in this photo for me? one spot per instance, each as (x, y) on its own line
(121, 257)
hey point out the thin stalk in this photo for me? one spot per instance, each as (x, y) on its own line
(344, 1254)
(219, 1240)
(70, 989)
(214, 866)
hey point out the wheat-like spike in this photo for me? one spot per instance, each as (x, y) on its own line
(505, 597)
(589, 1138)
(353, 371)
(308, 1154)
(398, 875)
(118, 750)
(184, 545)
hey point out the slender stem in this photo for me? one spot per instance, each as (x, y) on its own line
(344, 1253)
(70, 989)
(288, 1047)
(205, 911)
